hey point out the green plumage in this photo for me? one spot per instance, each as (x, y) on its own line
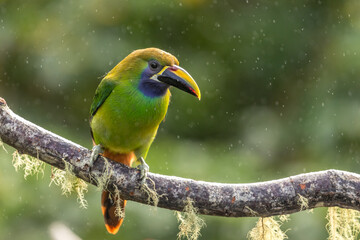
(128, 107)
(102, 92)
(132, 100)
(123, 119)
(127, 120)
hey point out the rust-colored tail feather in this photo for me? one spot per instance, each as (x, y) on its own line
(108, 208)
(108, 204)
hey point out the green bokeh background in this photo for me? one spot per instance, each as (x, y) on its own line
(280, 96)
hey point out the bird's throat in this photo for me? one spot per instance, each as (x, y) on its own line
(152, 88)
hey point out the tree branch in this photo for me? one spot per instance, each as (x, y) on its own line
(325, 188)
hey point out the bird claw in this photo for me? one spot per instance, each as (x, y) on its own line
(95, 152)
(144, 169)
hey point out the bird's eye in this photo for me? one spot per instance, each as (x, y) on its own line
(154, 65)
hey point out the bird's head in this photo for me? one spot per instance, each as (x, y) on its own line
(153, 71)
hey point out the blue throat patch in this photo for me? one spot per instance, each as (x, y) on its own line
(151, 88)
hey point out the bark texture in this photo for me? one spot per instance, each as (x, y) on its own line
(282, 196)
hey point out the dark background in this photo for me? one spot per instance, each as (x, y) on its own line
(280, 96)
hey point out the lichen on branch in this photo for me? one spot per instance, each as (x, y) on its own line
(190, 223)
(2, 146)
(343, 224)
(270, 198)
(69, 183)
(30, 165)
(269, 229)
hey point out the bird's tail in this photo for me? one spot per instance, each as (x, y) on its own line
(110, 203)
(108, 208)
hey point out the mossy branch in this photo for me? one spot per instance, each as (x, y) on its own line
(264, 199)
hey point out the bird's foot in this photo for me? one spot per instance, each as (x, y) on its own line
(95, 152)
(144, 169)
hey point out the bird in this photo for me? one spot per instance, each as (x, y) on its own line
(129, 104)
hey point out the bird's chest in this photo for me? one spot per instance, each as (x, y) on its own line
(137, 112)
(128, 121)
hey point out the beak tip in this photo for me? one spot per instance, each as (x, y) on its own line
(196, 93)
(179, 78)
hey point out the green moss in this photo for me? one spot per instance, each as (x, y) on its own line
(65, 179)
(252, 212)
(103, 179)
(81, 188)
(119, 212)
(190, 223)
(153, 197)
(69, 183)
(303, 202)
(30, 165)
(2, 146)
(268, 229)
(343, 223)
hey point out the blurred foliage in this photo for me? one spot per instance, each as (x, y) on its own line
(280, 87)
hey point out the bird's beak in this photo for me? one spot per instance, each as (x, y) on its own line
(179, 78)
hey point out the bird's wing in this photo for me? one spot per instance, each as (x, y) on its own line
(102, 92)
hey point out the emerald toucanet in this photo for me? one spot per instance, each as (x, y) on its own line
(129, 104)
